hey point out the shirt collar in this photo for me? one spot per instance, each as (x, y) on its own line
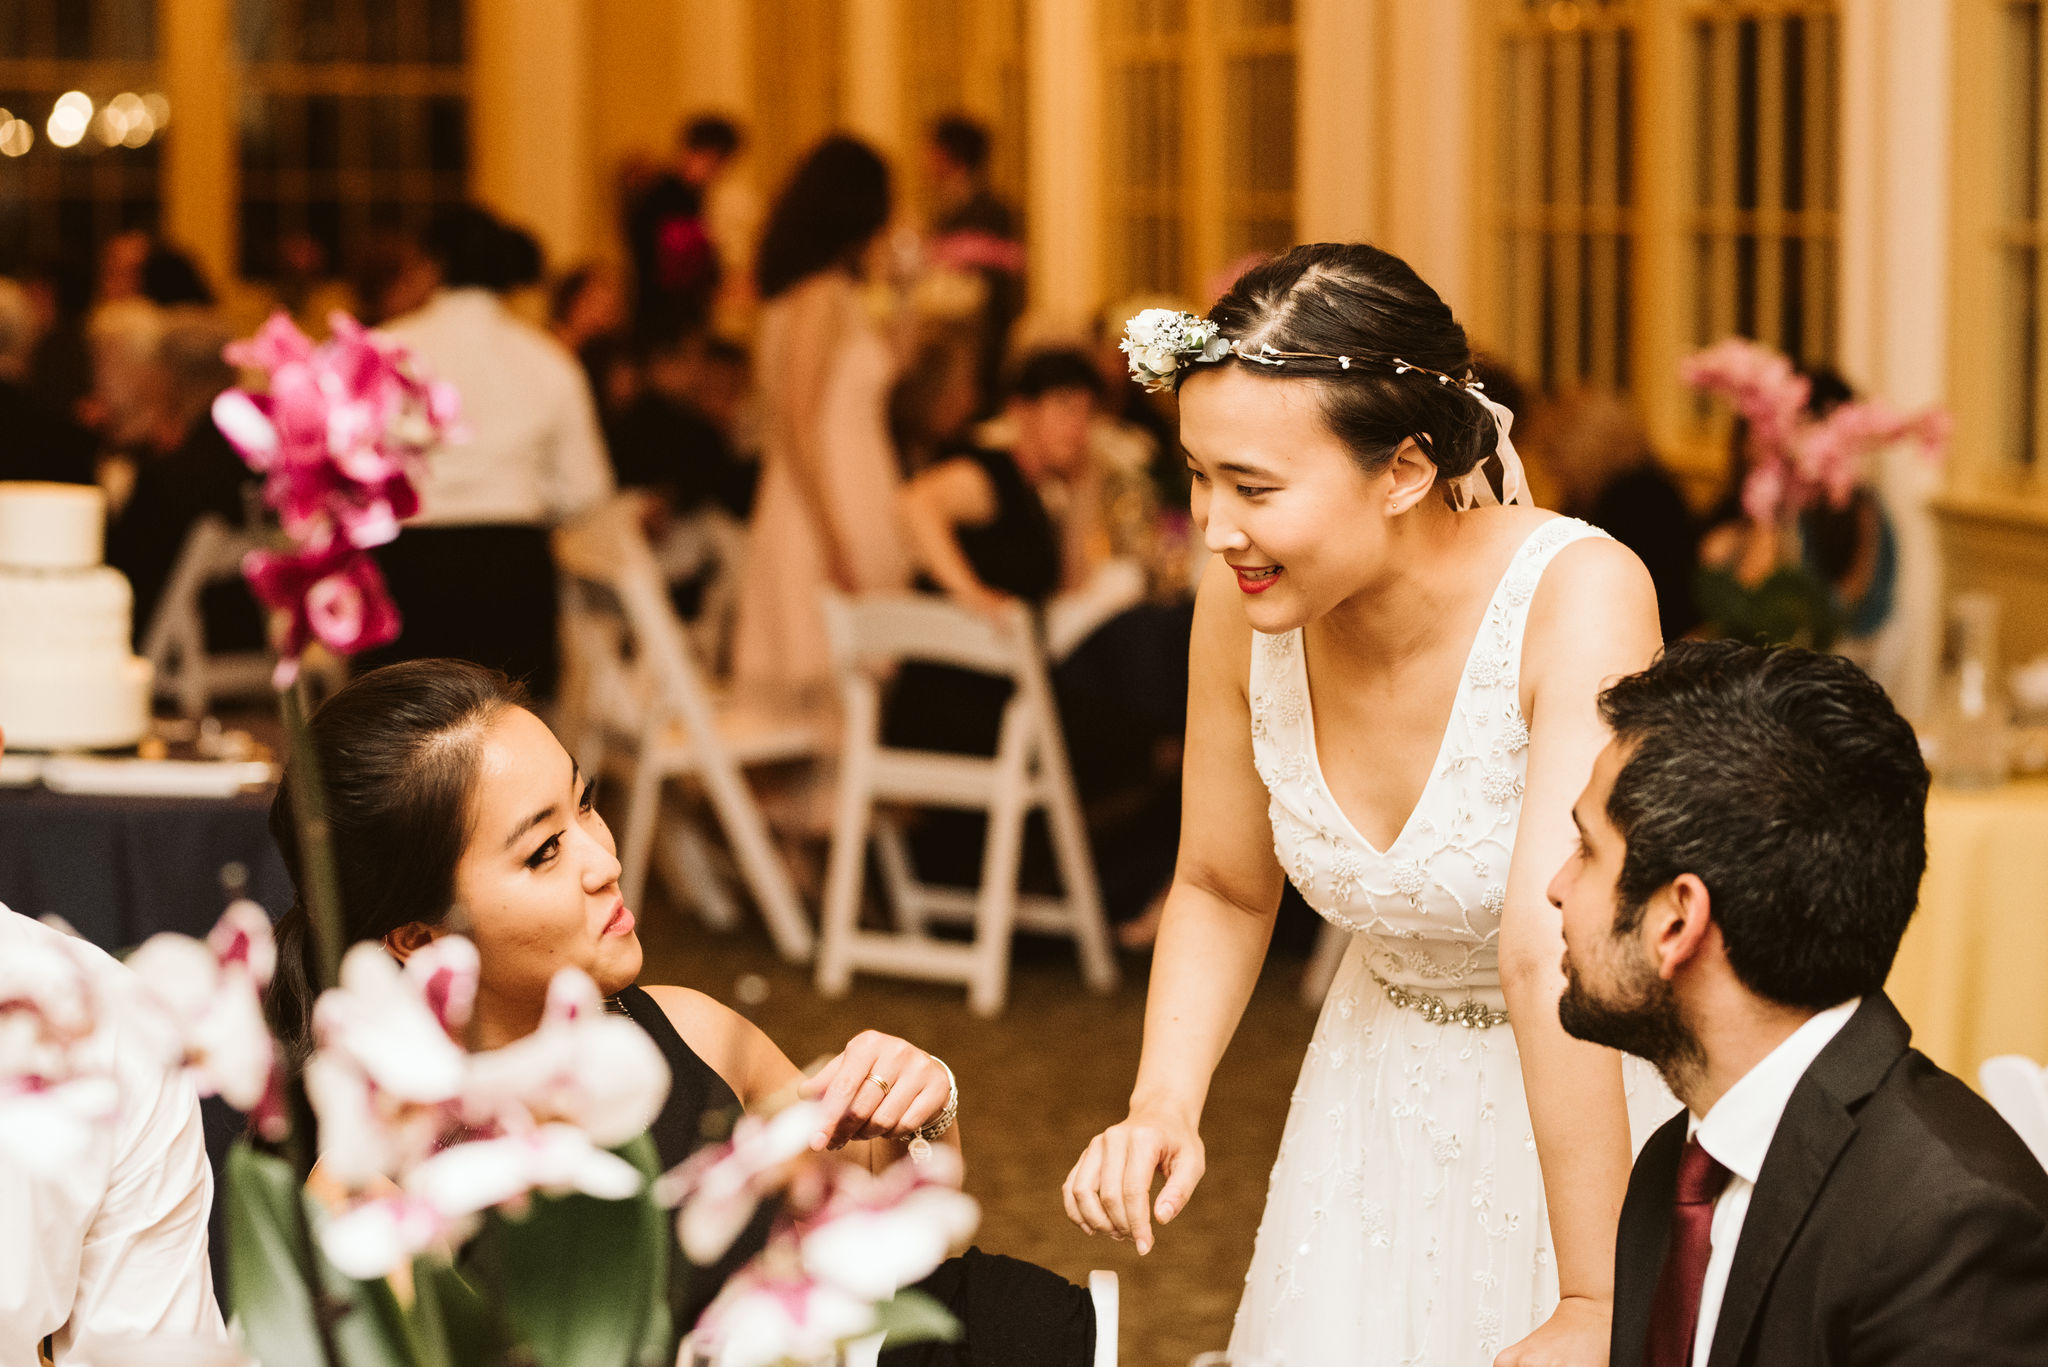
(1737, 1131)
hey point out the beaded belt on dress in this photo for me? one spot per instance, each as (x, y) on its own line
(1437, 1011)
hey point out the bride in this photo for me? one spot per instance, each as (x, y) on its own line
(1392, 705)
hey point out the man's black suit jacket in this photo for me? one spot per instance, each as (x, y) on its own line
(1897, 1219)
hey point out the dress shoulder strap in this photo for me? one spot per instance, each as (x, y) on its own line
(1507, 619)
(700, 1105)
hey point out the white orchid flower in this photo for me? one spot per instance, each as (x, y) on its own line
(54, 1087)
(375, 1238)
(202, 1004)
(465, 1179)
(719, 1189)
(873, 1254)
(598, 1072)
(760, 1320)
(393, 1023)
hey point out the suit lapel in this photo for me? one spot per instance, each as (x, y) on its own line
(1817, 1125)
(1641, 1240)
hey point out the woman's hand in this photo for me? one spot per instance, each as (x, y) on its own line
(1110, 1189)
(1576, 1335)
(879, 1087)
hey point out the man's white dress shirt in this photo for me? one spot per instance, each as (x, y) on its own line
(1736, 1133)
(113, 1242)
(535, 455)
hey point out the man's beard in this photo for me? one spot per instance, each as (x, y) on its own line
(1643, 1019)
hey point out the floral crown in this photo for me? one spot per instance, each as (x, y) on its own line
(1160, 342)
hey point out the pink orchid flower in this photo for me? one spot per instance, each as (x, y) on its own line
(598, 1072)
(333, 594)
(719, 1189)
(771, 1313)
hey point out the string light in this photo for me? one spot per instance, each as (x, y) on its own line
(16, 136)
(69, 120)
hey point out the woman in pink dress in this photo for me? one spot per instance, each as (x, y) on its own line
(826, 513)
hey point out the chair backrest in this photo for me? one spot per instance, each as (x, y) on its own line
(627, 663)
(2018, 1088)
(872, 631)
(176, 640)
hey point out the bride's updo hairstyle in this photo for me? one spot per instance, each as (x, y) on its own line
(1345, 299)
(398, 752)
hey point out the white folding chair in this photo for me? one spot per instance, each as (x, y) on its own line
(710, 547)
(634, 701)
(1102, 1289)
(186, 672)
(2017, 1087)
(870, 636)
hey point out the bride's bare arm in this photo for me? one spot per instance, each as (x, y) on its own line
(1212, 940)
(1594, 617)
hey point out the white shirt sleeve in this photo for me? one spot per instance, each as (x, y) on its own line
(143, 1267)
(578, 474)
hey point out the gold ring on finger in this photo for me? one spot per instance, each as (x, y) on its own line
(879, 1082)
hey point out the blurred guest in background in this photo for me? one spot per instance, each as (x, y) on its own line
(1596, 450)
(472, 574)
(172, 279)
(665, 441)
(184, 470)
(37, 439)
(390, 277)
(60, 370)
(305, 287)
(973, 229)
(676, 269)
(825, 515)
(995, 526)
(935, 398)
(587, 314)
(121, 258)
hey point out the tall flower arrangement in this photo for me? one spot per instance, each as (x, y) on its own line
(1796, 461)
(1795, 464)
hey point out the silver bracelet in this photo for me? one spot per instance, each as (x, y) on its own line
(936, 1127)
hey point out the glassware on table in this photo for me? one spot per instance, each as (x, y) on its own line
(1972, 725)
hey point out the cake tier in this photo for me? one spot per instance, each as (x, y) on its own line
(71, 702)
(87, 611)
(51, 526)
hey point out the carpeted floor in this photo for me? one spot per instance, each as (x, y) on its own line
(1035, 1085)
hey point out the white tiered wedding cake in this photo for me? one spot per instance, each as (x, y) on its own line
(67, 678)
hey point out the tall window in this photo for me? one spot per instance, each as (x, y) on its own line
(1764, 228)
(354, 123)
(1258, 60)
(1144, 191)
(72, 176)
(1201, 109)
(1566, 224)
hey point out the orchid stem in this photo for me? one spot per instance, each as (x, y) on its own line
(316, 851)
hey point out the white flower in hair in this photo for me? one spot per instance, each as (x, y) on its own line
(1160, 341)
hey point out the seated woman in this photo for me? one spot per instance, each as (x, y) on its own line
(991, 527)
(453, 809)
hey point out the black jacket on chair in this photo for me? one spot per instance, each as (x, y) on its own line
(1897, 1219)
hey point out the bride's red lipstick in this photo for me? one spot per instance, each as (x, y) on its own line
(1256, 579)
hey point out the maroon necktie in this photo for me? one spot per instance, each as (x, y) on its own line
(1675, 1313)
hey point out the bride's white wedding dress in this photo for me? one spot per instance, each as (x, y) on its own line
(1405, 1222)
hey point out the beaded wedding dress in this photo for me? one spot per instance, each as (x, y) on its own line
(1405, 1221)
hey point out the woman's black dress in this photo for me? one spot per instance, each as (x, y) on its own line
(1014, 1314)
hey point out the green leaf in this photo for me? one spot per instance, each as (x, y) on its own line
(584, 1281)
(454, 1324)
(914, 1317)
(267, 1285)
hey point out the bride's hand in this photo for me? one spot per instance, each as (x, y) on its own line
(857, 1102)
(1110, 1189)
(1575, 1336)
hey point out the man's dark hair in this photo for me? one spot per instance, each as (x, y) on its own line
(710, 133)
(1055, 368)
(1786, 782)
(964, 141)
(477, 250)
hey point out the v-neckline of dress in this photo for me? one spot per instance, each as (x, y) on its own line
(1308, 703)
